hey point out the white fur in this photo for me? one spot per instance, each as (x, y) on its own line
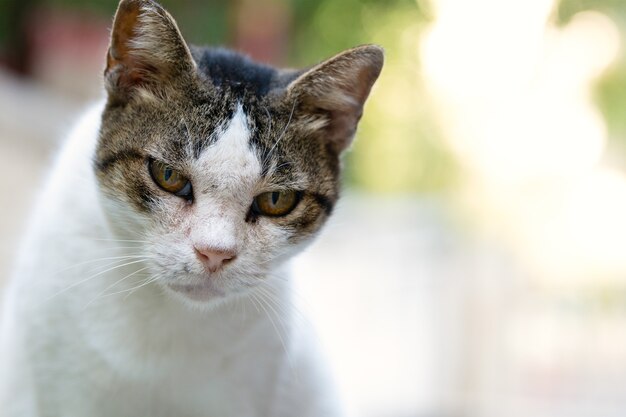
(79, 341)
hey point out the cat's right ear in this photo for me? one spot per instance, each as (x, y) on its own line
(146, 50)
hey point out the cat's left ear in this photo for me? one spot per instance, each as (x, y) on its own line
(146, 49)
(331, 95)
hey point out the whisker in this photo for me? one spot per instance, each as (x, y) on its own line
(263, 302)
(253, 298)
(274, 257)
(114, 284)
(121, 240)
(294, 310)
(272, 300)
(99, 260)
(269, 115)
(150, 280)
(131, 290)
(113, 248)
(92, 277)
(281, 136)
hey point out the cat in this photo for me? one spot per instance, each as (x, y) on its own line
(152, 280)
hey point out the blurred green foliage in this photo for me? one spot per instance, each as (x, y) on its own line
(610, 92)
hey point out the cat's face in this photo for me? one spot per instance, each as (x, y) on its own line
(225, 168)
(185, 176)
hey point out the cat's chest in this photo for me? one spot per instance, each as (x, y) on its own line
(213, 374)
(200, 392)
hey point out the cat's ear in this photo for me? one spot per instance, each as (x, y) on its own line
(146, 49)
(331, 95)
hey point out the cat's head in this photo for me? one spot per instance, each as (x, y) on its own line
(223, 166)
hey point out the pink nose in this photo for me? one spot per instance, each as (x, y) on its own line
(214, 258)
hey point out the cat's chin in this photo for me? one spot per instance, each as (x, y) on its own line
(205, 292)
(198, 292)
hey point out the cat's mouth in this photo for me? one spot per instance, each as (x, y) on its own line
(203, 291)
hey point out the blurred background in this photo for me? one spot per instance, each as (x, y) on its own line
(477, 264)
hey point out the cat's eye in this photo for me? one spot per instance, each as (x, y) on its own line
(169, 179)
(276, 203)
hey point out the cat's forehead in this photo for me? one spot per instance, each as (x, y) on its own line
(230, 159)
(242, 137)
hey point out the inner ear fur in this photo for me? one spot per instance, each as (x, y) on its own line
(146, 48)
(331, 95)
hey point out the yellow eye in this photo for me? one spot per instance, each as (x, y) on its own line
(276, 203)
(169, 179)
